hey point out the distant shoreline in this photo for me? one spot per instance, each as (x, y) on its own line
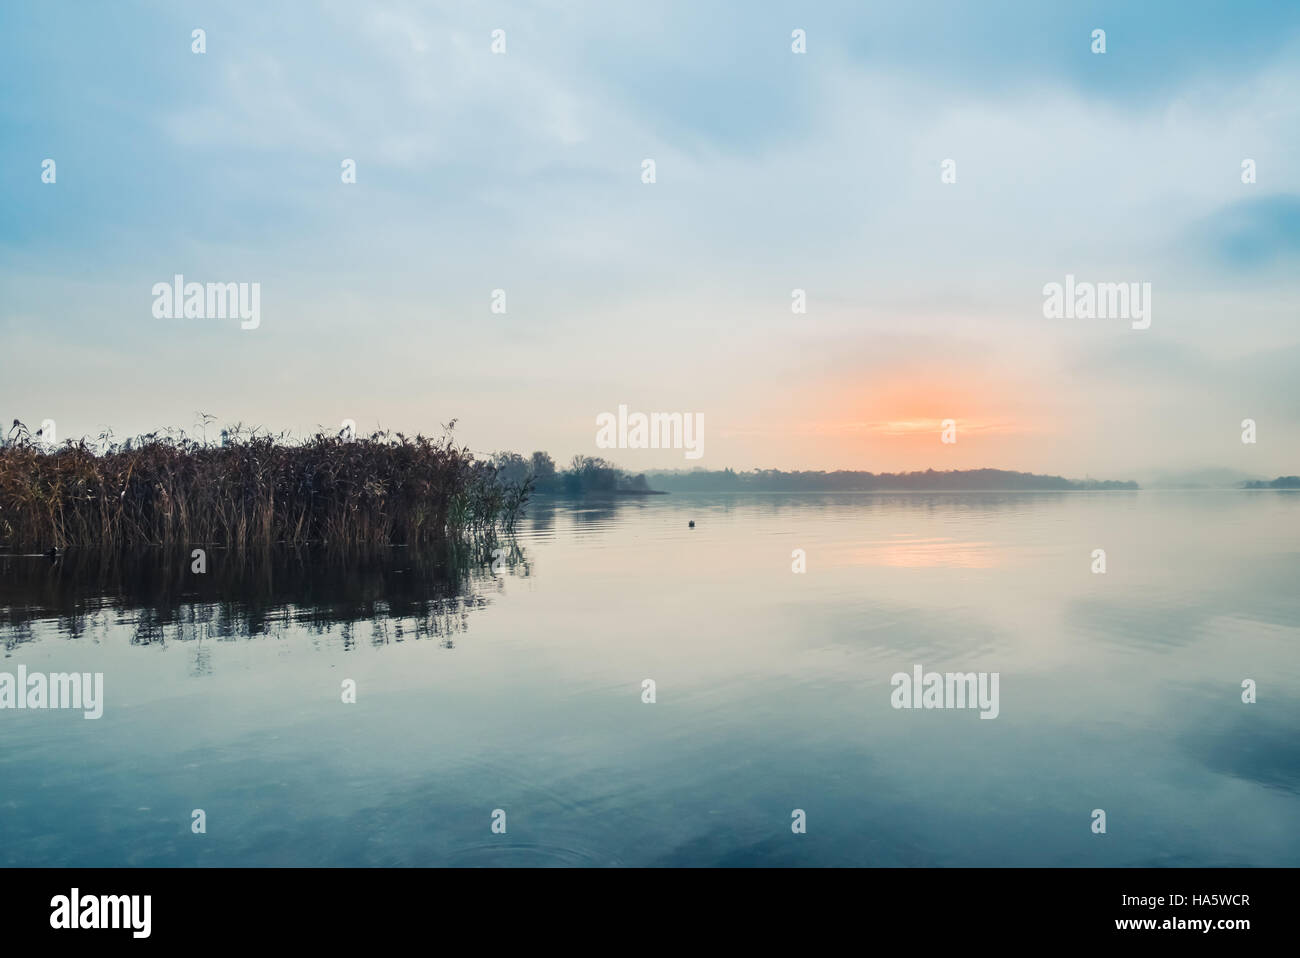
(622, 494)
(930, 480)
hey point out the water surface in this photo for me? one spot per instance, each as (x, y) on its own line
(522, 691)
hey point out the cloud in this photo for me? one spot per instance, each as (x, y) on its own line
(775, 171)
(1252, 234)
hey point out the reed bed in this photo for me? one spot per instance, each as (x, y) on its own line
(248, 490)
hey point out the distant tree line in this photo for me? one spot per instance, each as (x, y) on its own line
(1281, 482)
(585, 474)
(775, 480)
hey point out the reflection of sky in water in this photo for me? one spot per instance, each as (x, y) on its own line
(910, 552)
(1119, 692)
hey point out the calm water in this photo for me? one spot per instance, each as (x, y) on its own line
(523, 691)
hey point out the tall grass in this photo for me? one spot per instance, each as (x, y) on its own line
(248, 490)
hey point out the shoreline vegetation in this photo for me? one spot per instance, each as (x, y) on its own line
(951, 480)
(587, 475)
(249, 490)
(1281, 482)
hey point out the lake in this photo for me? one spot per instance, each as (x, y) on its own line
(516, 696)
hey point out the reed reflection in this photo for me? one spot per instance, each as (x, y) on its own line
(378, 596)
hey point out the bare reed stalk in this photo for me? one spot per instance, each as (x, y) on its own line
(248, 490)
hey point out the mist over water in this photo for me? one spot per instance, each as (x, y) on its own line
(522, 690)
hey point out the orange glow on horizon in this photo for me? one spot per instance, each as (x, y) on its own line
(896, 423)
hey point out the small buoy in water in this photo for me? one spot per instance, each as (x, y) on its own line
(692, 524)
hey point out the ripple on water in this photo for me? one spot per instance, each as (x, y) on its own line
(526, 854)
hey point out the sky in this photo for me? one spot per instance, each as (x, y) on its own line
(775, 171)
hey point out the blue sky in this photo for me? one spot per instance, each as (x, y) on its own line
(774, 171)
